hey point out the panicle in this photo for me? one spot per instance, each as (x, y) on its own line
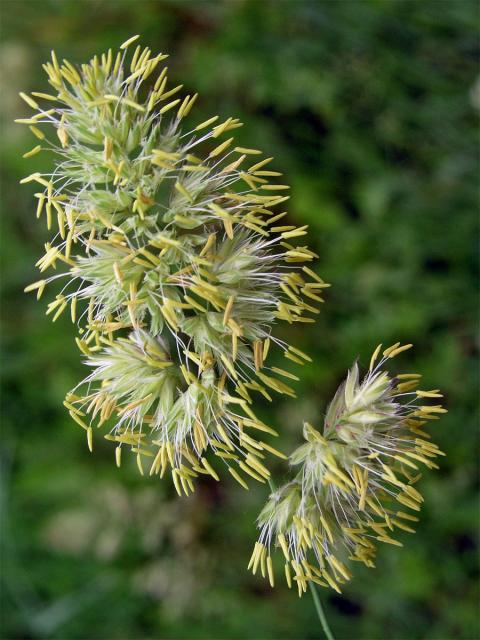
(354, 480)
(175, 263)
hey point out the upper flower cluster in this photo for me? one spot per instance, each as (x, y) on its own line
(355, 478)
(179, 263)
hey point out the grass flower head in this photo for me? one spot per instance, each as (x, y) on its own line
(354, 480)
(177, 263)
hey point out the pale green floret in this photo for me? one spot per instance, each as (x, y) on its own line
(280, 508)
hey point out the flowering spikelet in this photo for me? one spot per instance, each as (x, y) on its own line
(177, 260)
(355, 478)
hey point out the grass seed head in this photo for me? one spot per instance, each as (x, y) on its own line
(166, 233)
(353, 480)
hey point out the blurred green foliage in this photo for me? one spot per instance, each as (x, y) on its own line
(369, 108)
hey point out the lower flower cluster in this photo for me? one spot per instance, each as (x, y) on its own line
(355, 483)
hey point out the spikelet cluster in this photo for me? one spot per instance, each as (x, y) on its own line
(353, 481)
(177, 266)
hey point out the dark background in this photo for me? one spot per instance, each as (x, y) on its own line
(370, 110)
